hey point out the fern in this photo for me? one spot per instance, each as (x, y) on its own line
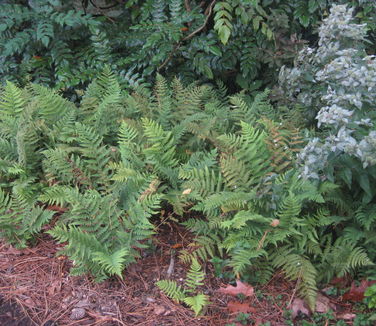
(194, 278)
(197, 302)
(172, 290)
(299, 268)
(20, 220)
(112, 263)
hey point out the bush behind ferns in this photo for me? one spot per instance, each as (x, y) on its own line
(337, 83)
(63, 43)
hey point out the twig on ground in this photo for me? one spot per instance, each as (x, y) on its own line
(295, 289)
(170, 269)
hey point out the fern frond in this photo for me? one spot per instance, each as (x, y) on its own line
(195, 276)
(12, 101)
(113, 264)
(172, 290)
(242, 258)
(366, 216)
(299, 268)
(197, 302)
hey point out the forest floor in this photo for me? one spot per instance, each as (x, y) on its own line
(36, 289)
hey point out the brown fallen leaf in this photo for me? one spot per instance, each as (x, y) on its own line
(299, 306)
(54, 287)
(323, 304)
(258, 321)
(237, 307)
(347, 316)
(274, 223)
(159, 310)
(29, 303)
(187, 191)
(356, 293)
(340, 282)
(240, 288)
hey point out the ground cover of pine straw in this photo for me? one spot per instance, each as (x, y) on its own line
(36, 289)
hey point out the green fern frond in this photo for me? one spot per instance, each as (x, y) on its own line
(51, 106)
(113, 264)
(172, 290)
(242, 217)
(299, 268)
(54, 195)
(197, 302)
(242, 259)
(195, 277)
(289, 210)
(12, 101)
(366, 216)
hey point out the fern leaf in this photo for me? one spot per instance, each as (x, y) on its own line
(194, 276)
(112, 263)
(299, 268)
(171, 289)
(197, 303)
(12, 101)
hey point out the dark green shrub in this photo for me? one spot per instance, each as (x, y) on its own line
(63, 43)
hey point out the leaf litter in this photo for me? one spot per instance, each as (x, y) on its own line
(36, 284)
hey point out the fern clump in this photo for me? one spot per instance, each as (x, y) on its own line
(255, 209)
(187, 294)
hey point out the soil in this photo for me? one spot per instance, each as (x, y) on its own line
(12, 315)
(37, 289)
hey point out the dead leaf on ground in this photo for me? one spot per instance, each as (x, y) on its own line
(240, 288)
(54, 287)
(29, 303)
(13, 251)
(347, 316)
(356, 293)
(340, 282)
(323, 304)
(237, 307)
(159, 310)
(299, 306)
(274, 223)
(258, 321)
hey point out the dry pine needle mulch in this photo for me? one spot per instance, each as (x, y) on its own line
(37, 284)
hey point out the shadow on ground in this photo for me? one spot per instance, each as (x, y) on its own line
(12, 315)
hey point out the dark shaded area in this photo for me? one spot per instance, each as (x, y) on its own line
(12, 315)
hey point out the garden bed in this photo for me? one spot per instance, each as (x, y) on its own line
(36, 289)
